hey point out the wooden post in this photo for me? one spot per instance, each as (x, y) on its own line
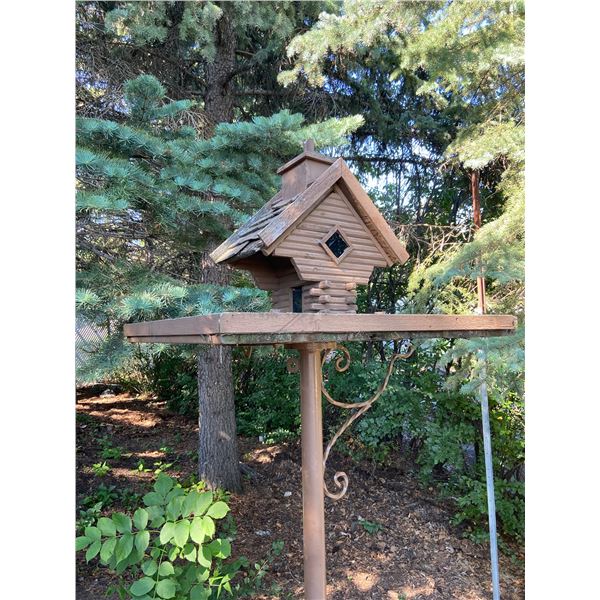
(313, 499)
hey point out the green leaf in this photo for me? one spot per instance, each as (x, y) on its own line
(166, 588)
(149, 567)
(189, 503)
(82, 542)
(140, 518)
(166, 568)
(220, 548)
(93, 533)
(124, 547)
(153, 499)
(197, 530)
(205, 556)
(142, 541)
(218, 510)
(122, 522)
(163, 484)
(173, 553)
(189, 552)
(92, 550)
(199, 592)
(209, 526)
(155, 511)
(167, 532)
(174, 508)
(225, 549)
(174, 493)
(182, 532)
(107, 549)
(107, 526)
(202, 502)
(142, 586)
(158, 522)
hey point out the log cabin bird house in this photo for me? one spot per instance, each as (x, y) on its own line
(317, 239)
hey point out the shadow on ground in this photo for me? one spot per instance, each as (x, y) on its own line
(411, 552)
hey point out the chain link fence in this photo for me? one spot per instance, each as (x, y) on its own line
(88, 337)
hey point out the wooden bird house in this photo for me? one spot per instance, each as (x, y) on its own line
(315, 240)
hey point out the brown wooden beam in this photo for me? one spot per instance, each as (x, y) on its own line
(287, 328)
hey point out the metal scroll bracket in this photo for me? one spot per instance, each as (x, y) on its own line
(342, 363)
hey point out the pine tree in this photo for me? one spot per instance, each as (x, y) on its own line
(466, 61)
(207, 50)
(153, 197)
(225, 54)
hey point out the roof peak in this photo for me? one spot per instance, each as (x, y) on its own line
(307, 153)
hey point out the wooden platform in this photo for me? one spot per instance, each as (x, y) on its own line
(294, 328)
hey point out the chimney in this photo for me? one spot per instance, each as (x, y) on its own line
(301, 171)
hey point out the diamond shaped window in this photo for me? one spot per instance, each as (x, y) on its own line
(336, 244)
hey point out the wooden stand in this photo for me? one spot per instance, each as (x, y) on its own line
(310, 334)
(313, 498)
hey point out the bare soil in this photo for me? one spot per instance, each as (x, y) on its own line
(416, 554)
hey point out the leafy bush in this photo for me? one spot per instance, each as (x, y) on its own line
(88, 516)
(173, 378)
(170, 545)
(108, 495)
(371, 527)
(421, 416)
(267, 396)
(109, 451)
(472, 503)
(100, 468)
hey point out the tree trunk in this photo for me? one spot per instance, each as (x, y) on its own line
(218, 100)
(218, 457)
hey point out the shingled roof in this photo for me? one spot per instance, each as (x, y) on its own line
(280, 214)
(246, 240)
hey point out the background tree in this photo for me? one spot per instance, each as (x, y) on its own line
(208, 50)
(220, 53)
(464, 62)
(152, 197)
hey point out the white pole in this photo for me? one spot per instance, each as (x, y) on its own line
(489, 477)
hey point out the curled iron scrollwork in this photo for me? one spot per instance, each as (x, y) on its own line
(342, 363)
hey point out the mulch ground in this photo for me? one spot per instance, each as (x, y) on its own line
(414, 555)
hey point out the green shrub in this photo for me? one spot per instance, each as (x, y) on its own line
(100, 468)
(267, 396)
(472, 503)
(174, 378)
(170, 546)
(109, 451)
(419, 415)
(108, 495)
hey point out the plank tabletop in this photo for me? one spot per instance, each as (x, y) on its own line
(294, 328)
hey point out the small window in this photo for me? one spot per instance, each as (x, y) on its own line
(297, 299)
(336, 244)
